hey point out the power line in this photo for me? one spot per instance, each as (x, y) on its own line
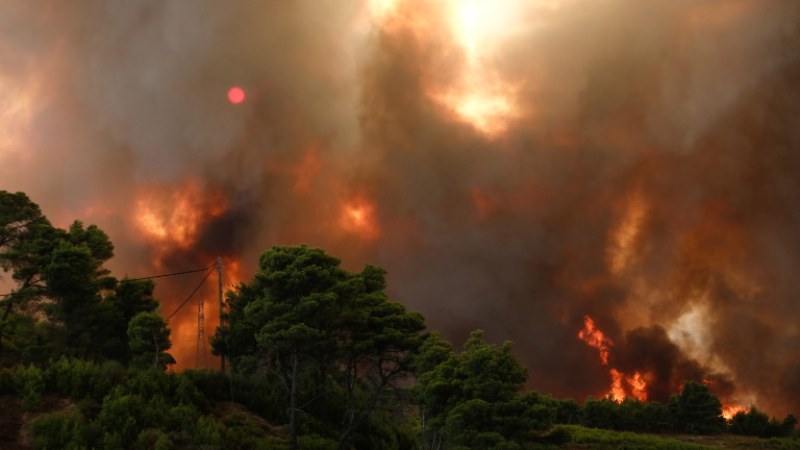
(211, 269)
(170, 274)
(185, 272)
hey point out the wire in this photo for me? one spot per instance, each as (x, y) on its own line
(170, 274)
(210, 269)
(185, 272)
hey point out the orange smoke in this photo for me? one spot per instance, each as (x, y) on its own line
(622, 385)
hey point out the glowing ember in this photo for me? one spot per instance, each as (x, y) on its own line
(236, 95)
(595, 338)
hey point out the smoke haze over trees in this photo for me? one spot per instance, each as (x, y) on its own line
(632, 161)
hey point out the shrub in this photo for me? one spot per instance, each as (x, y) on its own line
(30, 385)
(57, 430)
(152, 439)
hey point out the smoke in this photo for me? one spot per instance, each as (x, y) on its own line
(514, 167)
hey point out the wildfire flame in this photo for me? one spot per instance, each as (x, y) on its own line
(622, 249)
(595, 338)
(728, 411)
(481, 98)
(171, 218)
(622, 385)
(358, 217)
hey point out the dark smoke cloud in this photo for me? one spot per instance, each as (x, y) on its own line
(688, 109)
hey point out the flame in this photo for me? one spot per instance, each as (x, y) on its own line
(358, 217)
(638, 386)
(616, 392)
(173, 219)
(595, 338)
(232, 272)
(636, 383)
(622, 249)
(482, 97)
(379, 10)
(728, 411)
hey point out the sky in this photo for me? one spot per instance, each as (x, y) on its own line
(520, 166)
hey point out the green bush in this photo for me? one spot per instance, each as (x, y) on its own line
(81, 379)
(607, 439)
(315, 442)
(182, 418)
(57, 431)
(121, 414)
(29, 381)
(153, 439)
(209, 433)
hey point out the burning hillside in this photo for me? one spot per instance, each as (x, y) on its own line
(538, 169)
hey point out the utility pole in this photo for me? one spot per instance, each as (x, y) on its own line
(221, 306)
(201, 337)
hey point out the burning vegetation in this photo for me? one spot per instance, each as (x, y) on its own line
(532, 168)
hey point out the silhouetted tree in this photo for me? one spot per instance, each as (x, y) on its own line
(310, 321)
(148, 336)
(696, 410)
(471, 399)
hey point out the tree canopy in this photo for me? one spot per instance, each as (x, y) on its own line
(319, 326)
(65, 302)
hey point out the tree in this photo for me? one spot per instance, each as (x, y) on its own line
(471, 399)
(26, 241)
(377, 339)
(756, 423)
(324, 331)
(129, 298)
(298, 305)
(696, 410)
(76, 280)
(148, 336)
(600, 413)
(65, 302)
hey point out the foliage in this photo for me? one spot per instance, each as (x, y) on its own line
(756, 423)
(606, 439)
(322, 331)
(64, 302)
(696, 410)
(149, 339)
(58, 430)
(471, 399)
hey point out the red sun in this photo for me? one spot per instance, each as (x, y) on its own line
(236, 95)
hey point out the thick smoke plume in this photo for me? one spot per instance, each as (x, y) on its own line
(514, 165)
